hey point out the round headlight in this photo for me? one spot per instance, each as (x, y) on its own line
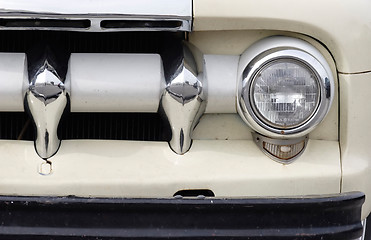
(285, 92)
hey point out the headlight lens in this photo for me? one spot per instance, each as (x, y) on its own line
(285, 93)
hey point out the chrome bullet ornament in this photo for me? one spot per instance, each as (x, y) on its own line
(184, 99)
(46, 98)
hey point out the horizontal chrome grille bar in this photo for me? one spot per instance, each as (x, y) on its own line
(130, 60)
(99, 24)
(71, 71)
(97, 16)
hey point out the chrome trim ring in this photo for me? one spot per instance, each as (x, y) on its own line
(250, 113)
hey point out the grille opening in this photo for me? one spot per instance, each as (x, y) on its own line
(43, 23)
(125, 24)
(16, 126)
(89, 42)
(114, 126)
(105, 126)
(195, 193)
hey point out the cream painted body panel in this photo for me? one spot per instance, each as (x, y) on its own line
(355, 134)
(151, 169)
(344, 27)
(222, 127)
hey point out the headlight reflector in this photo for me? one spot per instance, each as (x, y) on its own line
(285, 93)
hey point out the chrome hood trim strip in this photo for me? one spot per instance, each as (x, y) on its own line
(153, 15)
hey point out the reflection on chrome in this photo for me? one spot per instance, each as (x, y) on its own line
(46, 99)
(184, 99)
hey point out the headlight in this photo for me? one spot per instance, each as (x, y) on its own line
(286, 91)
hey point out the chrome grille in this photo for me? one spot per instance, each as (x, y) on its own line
(117, 126)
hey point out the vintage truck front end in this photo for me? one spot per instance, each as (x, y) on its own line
(203, 119)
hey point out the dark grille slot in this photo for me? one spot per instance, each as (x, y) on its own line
(12, 124)
(114, 126)
(110, 126)
(159, 24)
(43, 23)
(86, 42)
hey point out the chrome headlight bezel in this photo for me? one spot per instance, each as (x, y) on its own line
(294, 50)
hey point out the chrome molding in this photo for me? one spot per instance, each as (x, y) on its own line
(97, 16)
(246, 105)
(45, 100)
(184, 99)
(260, 140)
(364, 223)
